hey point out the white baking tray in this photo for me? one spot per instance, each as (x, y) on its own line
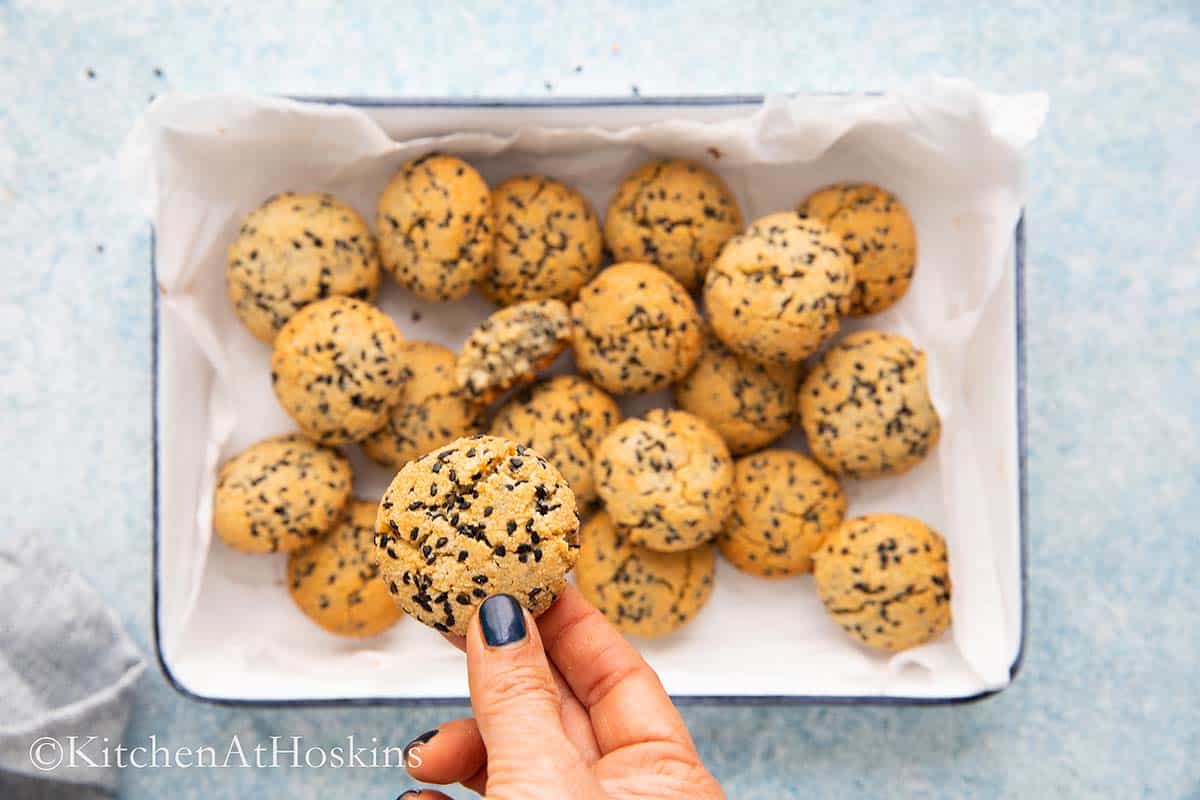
(225, 629)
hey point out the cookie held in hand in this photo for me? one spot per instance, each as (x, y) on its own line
(480, 516)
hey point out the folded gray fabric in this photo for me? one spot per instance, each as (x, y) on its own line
(66, 672)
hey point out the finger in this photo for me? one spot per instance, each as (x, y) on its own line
(576, 721)
(623, 695)
(424, 794)
(451, 753)
(515, 699)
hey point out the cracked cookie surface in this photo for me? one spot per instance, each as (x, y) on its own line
(666, 479)
(784, 506)
(477, 517)
(865, 408)
(563, 419)
(435, 410)
(295, 249)
(434, 227)
(672, 213)
(776, 292)
(337, 368)
(548, 242)
(280, 494)
(635, 329)
(750, 404)
(878, 235)
(335, 580)
(641, 591)
(885, 579)
(510, 346)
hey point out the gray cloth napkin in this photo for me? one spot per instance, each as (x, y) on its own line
(66, 670)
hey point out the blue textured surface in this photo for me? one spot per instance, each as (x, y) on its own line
(1108, 703)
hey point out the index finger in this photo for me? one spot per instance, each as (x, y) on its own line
(623, 695)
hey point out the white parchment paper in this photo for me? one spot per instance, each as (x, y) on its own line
(952, 153)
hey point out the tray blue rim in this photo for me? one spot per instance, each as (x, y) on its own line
(698, 700)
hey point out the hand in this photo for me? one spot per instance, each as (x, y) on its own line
(566, 708)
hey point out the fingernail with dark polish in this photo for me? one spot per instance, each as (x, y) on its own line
(422, 739)
(409, 794)
(502, 620)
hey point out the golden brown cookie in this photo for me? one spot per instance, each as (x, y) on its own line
(435, 410)
(478, 517)
(865, 407)
(641, 591)
(435, 227)
(280, 494)
(562, 419)
(548, 242)
(635, 329)
(674, 214)
(510, 346)
(335, 580)
(666, 480)
(748, 403)
(876, 232)
(886, 580)
(337, 369)
(295, 249)
(777, 291)
(784, 506)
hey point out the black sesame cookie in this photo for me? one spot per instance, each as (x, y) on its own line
(435, 410)
(776, 292)
(666, 479)
(674, 214)
(878, 235)
(435, 227)
(280, 494)
(510, 346)
(337, 369)
(885, 579)
(784, 506)
(477, 517)
(748, 403)
(641, 591)
(295, 249)
(562, 419)
(548, 242)
(636, 329)
(335, 580)
(865, 407)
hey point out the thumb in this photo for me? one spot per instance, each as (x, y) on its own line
(516, 702)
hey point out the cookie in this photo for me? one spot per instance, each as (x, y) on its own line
(548, 242)
(337, 369)
(510, 346)
(865, 407)
(335, 580)
(435, 227)
(674, 214)
(784, 506)
(295, 249)
(748, 403)
(563, 420)
(886, 580)
(435, 410)
(666, 479)
(635, 330)
(280, 494)
(878, 235)
(776, 292)
(478, 517)
(642, 592)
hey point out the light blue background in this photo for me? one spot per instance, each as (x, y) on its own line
(1108, 703)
